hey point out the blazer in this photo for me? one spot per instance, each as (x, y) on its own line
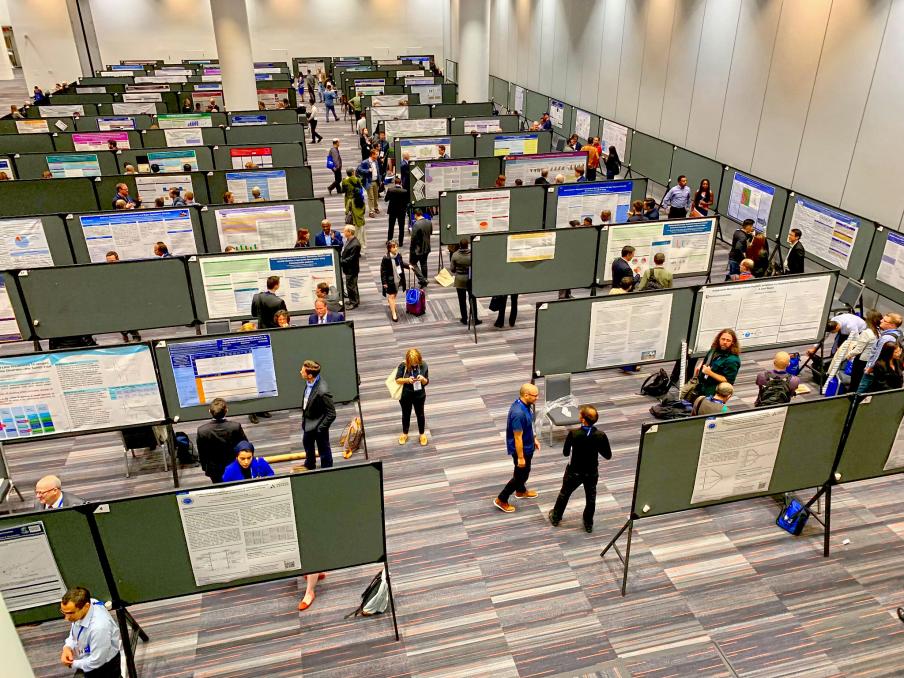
(264, 306)
(337, 159)
(795, 260)
(389, 279)
(350, 257)
(420, 237)
(622, 269)
(69, 499)
(216, 446)
(320, 240)
(331, 317)
(364, 172)
(320, 412)
(541, 181)
(259, 469)
(397, 197)
(461, 268)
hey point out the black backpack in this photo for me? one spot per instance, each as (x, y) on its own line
(674, 409)
(656, 385)
(185, 450)
(653, 283)
(776, 391)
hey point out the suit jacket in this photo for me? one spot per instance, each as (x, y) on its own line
(331, 317)
(350, 257)
(405, 173)
(69, 499)
(796, 258)
(320, 411)
(622, 269)
(264, 306)
(397, 197)
(541, 181)
(320, 240)
(216, 446)
(337, 159)
(420, 237)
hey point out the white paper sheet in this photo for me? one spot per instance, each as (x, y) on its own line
(628, 329)
(29, 576)
(521, 247)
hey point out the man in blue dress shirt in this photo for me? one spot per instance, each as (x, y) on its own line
(94, 642)
(678, 199)
(521, 445)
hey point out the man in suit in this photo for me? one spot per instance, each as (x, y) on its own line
(420, 241)
(318, 413)
(621, 267)
(49, 495)
(337, 167)
(543, 179)
(327, 237)
(264, 305)
(794, 262)
(322, 315)
(217, 440)
(397, 197)
(350, 263)
(405, 171)
(323, 292)
(122, 193)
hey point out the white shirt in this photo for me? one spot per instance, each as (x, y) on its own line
(94, 638)
(849, 324)
(361, 124)
(373, 171)
(313, 114)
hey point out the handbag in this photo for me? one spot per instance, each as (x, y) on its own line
(689, 390)
(395, 390)
(330, 163)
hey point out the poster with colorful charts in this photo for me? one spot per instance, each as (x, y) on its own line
(100, 141)
(172, 120)
(174, 161)
(33, 126)
(482, 125)
(259, 227)
(427, 148)
(23, 243)
(516, 144)
(891, 266)
(445, 175)
(183, 136)
(251, 158)
(750, 199)
(557, 112)
(687, 245)
(483, 211)
(827, 233)
(132, 234)
(73, 165)
(574, 202)
(528, 167)
(269, 185)
(153, 186)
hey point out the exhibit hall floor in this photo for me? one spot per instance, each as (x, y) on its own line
(712, 592)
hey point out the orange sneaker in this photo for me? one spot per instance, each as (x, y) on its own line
(527, 494)
(503, 506)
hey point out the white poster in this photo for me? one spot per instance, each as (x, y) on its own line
(389, 100)
(134, 108)
(616, 135)
(762, 313)
(33, 126)
(81, 390)
(482, 125)
(628, 329)
(270, 227)
(133, 97)
(483, 211)
(582, 124)
(132, 234)
(237, 532)
(737, 455)
(422, 127)
(9, 328)
(387, 113)
(29, 576)
(61, 111)
(185, 136)
(896, 454)
(827, 233)
(257, 186)
(153, 186)
(557, 112)
(519, 100)
(426, 148)
(429, 94)
(23, 243)
(891, 267)
(446, 175)
(687, 245)
(521, 247)
(750, 199)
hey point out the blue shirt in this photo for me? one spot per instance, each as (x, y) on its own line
(94, 639)
(520, 418)
(678, 197)
(329, 97)
(310, 387)
(259, 469)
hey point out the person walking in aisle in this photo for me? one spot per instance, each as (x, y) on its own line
(421, 233)
(329, 101)
(397, 209)
(318, 414)
(413, 375)
(312, 123)
(353, 189)
(678, 199)
(520, 445)
(369, 172)
(337, 167)
(350, 263)
(392, 276)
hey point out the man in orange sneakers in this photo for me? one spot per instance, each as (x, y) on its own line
(519, 439)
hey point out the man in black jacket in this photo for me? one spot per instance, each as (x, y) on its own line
(318, 414)
(337, 167)
(794, 262)
(397, 197)
(350, 263)
(264, 305)
(587, 444)
(739, 242)
(217, 440)
(621, 267)
(420, 241)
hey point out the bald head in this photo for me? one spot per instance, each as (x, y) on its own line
(48, 490)
(781, 360)
(529, 393)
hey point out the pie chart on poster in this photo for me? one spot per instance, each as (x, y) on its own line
(22, 241)
(484, 224)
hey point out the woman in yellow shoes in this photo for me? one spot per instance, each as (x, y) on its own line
(413, 375)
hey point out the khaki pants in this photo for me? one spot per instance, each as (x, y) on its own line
(373, 196)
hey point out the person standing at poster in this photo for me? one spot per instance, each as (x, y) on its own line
(318, 414)
(521, 445)
(217, 441)
(264, 305)
(94, 643)
(794, 262)
(678, 199)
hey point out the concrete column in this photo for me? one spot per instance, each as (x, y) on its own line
(473, 50)
(230, 29)
(46, 43)
(6, 68)
(15, 663)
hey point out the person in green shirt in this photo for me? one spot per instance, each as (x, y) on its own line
(355, 102)
(721, 363)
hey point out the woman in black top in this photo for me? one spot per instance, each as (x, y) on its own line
(887, 372)
(613, 164)
(392, 276)
(703, 198)
(413, 375)
(186, 105)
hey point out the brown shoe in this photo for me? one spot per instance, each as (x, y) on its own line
(527, 494)
(503, 506)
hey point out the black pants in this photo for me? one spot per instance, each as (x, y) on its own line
(571, 481)
(416, 400)
(337, 179)
(856, 374)
(314, 136)
(351, 288)
(590, 173)
(420, 260)
(112, 669)
(518, 483)
(393, 220)
(462, 307)
(322, 441)
(677, 212)
(513, 315)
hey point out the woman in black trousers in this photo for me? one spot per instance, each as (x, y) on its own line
(413, 375)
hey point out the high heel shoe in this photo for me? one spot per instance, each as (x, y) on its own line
(395, 319)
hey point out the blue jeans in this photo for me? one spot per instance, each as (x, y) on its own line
(865, 382)
(322, 440)
(331, 109)
(734, 268)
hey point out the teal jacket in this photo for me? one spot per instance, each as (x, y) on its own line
(724, 364)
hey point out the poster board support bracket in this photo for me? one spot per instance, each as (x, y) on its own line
(625, 559)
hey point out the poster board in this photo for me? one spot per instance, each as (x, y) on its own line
(14, 325)
(24, 198)
(132, 234)
(289, 183)
(305, 213)
(651, 157)
(513, 208)
(30, 242)
(415, 127)
(884, 270)
(747, 197)
(528, 167)
(567, 202)
(875, 442)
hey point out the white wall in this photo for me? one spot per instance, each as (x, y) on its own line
(45, 41)
(805, 93)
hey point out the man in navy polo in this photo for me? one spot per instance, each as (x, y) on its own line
(519, 439)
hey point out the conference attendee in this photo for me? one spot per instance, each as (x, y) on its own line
(38, 96)
(302, 239)
(350, 263)
(327, 236)
(382, 147)
(176, 197)
(777, 386)
(740, 240)
(887, 371)
(612, 163)
(369, 172)
(624, 286)
(217, 440)
(246, 466)
(650, 210)
(587, 221)
(49, 495)
(521, 446)
(572, 144)
(392, 276)
(746, 270)
(498, 304)
(282, 319)
(579, 177)
(413, 375)
(678, 199)
(130, 169)
(230, 249)
(621, 266)
(441, 152)
(397, 209)
(703, 199)
(158, 202)
(794, 261)
(112, 145)
(260, 105)
(843, 325)
(890, 332)
(213, 106)
(560, 179)
(593, 161)
(500, 181)
(94, 644)
(322, 315)
(322, 292)
(337, 167)
(758, 252)
(15, 114)
(543, 179)
(329, 102)
(312, 125)
(585, 445)
(256, 195)
(714, 404)
(161, 250)
(405, 171)
(544, 122)
(355, 105)
(47, 174)
(862, 345)
(421, 233)
(365, 143)
(186, 105)
(658, 273)
(720, 365)
(635, 213)
(122, 193)
(265, 304)
(353, 189)
(190, 199)
(4, 177)
(318, 414)
(228, 198)
(606, 217)
(310, 82)
(461, 270)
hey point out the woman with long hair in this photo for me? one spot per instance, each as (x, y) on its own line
(392, 276)
(613, 164)
(887, 372)
(704, 198)
(758, 252)
(413, 376)
(863, 345)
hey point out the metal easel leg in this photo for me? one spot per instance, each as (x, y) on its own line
(363, 431)
(171, 450)
(828, 523)
(629, 526)
(395, 622)
(127, 624)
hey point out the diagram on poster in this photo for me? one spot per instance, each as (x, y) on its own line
(446, 175)
(588, 199)
(271, 185)
(628, 329)
(557, 112)
(269, 227)
(484, 212)
(891, 267)
(29, 576)
(482, 125)
(421, 127)
(516, 144)
(153, 186)
(828, 233)
(237, 532)
(183, 136)
(528, 167)
(582, 124)
(687, 245)
(737, 455)
(23, 243)
(750, 199)
(616, 135)
(427, 148)
(523, 247)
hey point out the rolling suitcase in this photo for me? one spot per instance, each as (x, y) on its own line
(415, 302)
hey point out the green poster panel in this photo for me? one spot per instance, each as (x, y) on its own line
(875, 439)
(299, 182)
(651, 157)
(486, 143)
(488, 169)
(106, 188)
(156, 138)
(250, 135)
(696, 168)
(308, 214)
(46, 196)
(281, 155)
(888, 244)
(525, 210)
(33, 165)
(733, 204)
(140, 158)
(18, 308)
(535, 105)
(670, 452)
(445, 110)
(499, 91)
(26, 143)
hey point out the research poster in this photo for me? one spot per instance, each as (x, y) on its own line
(519, 100)
(23, 243)
(153, 186)
(271, 184)
(142, 96)
(895, 457)
(6, 168)
(424, 127)
(84, 390)
(134, 108)
(270, 98)
(389, 100)
(557, 112)
(237, 532)
(378, 113)
(372, 86)
(429, 94)
(312, 66)
(687, 245)
(419, 80)
(266, 227)
(90, 90)
(891, 267)
(737, 454)
(516, 144)
(616, 135)
(523, 247)
(115, 124)
(445, 175)
(482, 125)
(231, 368)
(827, 233)
(9, 328)
(763, 313)
(427, 148)
(38, 126)
(100, 141)
(230, 282)
(628, 329)
(251, 158)
(574, 202)
(174, 161)
(29, 575)
(249, 120)
(73, 165)
(750, 199)
(582, 124)
(133, 233)
(528, 167)
(183, 136)
(485, 212)
(161, 79)
(61, 111)
(204, 97)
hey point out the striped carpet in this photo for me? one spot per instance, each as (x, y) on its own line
(712, 592)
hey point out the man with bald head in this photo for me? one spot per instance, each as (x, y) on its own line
(49, 495)
(777, 387)
(521, 445)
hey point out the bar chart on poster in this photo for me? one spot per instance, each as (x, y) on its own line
(750, 199)
(827, 233)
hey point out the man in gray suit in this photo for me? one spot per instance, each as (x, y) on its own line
(420, 241)
(49, 495)
(318, 413)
